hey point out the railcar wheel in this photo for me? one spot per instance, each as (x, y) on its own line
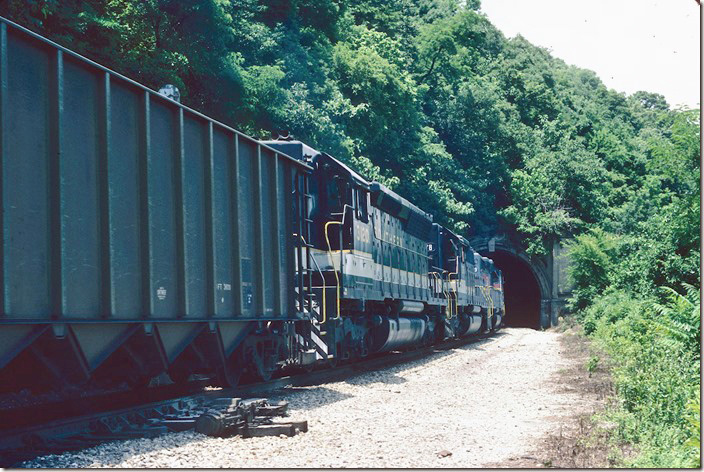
(138, 382)
(180, 377)
(229, 375)
(263, 363)
(230, 372)
(264, 374)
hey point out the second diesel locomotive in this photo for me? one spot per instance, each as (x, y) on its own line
(381, 275)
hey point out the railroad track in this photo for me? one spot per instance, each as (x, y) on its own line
(45, 429)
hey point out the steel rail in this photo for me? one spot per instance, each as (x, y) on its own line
(54, 436)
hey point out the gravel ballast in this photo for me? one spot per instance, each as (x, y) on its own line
(467, 407)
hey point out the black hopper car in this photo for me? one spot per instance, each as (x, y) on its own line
(141, 237)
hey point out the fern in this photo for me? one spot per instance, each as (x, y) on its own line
(679, 319)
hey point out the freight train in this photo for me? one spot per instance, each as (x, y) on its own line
(141, 237)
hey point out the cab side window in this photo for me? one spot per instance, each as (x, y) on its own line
(360, 204)
(335, 196)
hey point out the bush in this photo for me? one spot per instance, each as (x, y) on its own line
(612, 306)
(592, 259)
(654, 347)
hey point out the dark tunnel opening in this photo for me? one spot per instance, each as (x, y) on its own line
(521, 290)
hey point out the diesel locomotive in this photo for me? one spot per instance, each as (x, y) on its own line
(141, 237)
(381, 274)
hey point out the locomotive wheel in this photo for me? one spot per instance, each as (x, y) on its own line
(366, 346)
(485, 328)
(492, 323)
(497, 327)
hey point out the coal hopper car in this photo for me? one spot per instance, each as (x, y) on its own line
(138, 235)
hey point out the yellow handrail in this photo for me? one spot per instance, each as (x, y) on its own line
(332, 259)
(449, 284)
(445, 292)
(322, 278)
(486, 290)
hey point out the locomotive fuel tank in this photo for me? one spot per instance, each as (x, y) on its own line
(471, 326)
(409, 306)
(390, 333)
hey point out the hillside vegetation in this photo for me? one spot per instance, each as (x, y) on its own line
(485, 132)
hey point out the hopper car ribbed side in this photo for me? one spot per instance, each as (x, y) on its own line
(138, 235)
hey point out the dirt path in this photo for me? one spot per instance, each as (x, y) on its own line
(571, 438)
(491, 403)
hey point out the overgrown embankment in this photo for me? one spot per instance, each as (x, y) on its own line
(651, 342)
(636, 293)
(653, 352)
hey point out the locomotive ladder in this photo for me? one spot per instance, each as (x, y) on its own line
(310, 340)
(453, 294)
(309, 295)
(486, 291)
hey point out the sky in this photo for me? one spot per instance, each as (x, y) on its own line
(651, 45)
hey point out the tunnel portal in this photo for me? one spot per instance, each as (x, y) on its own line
(521, 291)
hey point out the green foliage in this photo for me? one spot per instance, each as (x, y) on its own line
(654, 350)
(679, 319)
(428, 96)
(592, 364)
(592, 258)
(694, 432)
(487, 133)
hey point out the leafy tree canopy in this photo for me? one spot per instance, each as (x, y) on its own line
(428, 96)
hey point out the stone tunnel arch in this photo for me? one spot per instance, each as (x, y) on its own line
(528, 285)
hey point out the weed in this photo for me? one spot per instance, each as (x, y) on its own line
(592, 364)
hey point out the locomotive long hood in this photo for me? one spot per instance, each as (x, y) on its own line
(416, 222)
